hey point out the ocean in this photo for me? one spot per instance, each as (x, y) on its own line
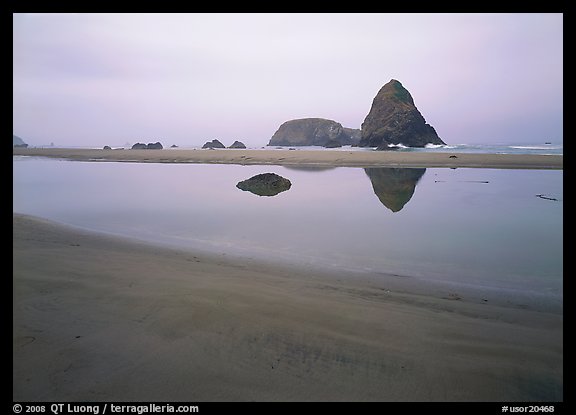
(519, 148)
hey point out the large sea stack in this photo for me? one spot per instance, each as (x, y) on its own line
(394, 119)
(313, 132)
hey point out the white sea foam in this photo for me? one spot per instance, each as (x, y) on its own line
(432, 146)
(547, 147)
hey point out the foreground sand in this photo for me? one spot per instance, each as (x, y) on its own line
(306, 158)
(98, 318)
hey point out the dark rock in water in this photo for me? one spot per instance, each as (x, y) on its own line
(237, 144)
(173, 146)
(311, 132)
(266, 184)
(333, 144)
(150, 146)
(394, 119)
(18, 142)
(155, 146)
(106, 148)
(393, 186)
(213, 144)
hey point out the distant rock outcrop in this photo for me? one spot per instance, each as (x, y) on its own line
(266, 184)
(333, 144)
(354, 136)
(155, 146)
(313, 132)
(394, 187)
(18, 142)
(237, 144)
(150, 146)
(213, 144)
(394, 119)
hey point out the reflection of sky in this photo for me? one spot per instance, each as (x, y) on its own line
(454, 227)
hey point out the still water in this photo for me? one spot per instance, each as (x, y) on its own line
(482, 227)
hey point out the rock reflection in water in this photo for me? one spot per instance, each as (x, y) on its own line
(393, 186)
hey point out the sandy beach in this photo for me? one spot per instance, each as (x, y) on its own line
(305, 158)
(101, 318)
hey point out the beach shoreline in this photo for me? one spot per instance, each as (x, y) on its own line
(100, 318)
(324, 158)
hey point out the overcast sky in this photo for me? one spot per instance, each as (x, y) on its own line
(111, 79)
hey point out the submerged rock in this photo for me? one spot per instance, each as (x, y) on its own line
(394, 119)
(265, 184)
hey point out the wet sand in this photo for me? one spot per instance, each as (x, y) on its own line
(305, 158)
(101, 318)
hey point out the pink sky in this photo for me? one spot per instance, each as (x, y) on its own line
(111, 79)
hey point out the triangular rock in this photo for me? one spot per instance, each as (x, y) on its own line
(394, 119)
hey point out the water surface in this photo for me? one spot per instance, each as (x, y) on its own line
(482, 227)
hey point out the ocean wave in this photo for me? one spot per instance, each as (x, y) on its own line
(546, 147)
(431, 146)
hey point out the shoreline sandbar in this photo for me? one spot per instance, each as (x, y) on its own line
(304, 158)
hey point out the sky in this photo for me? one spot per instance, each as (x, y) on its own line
(184, 79)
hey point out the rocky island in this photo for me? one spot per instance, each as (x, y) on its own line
(213, 144)
(237, 144)
(150, 146)
(394, 119)
(314, 132)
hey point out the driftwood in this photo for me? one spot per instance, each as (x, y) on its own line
(547, 198)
